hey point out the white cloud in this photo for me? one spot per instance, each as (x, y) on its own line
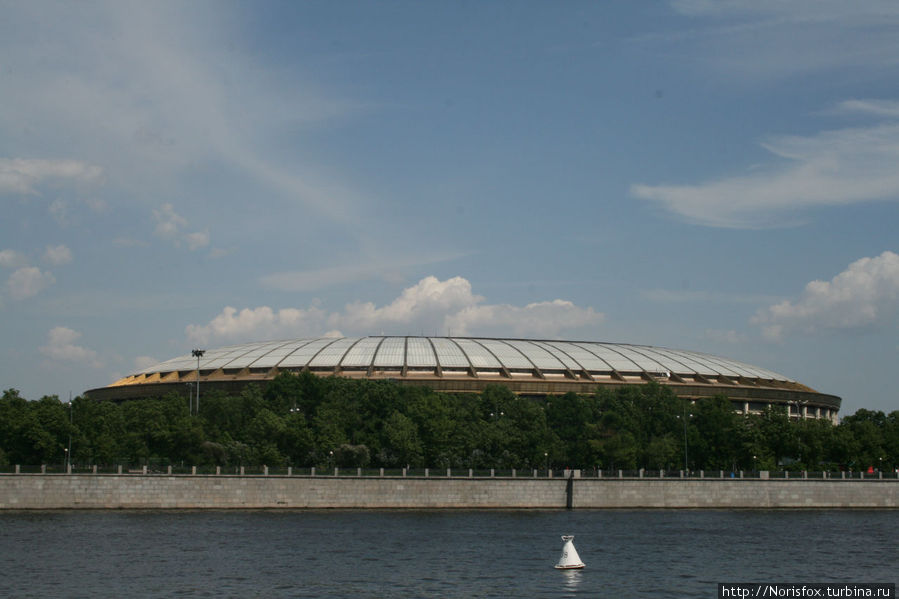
(256, 323)
(27, 282)
(61, 346)
(170, 226)
(57, 255)
(197, 240)
(174, 88)
(765, 39)
(422, 305)
(882, 108)
(430, 306)
(542, 319)
(864, 295)
(21, 176)
(838, 167)
(12, 259)
(168, 222)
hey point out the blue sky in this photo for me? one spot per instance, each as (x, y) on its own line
(714, 176)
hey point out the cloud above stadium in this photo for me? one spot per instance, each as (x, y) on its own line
(831, 168)
(61, 346)
(431, 306)
(863, 296)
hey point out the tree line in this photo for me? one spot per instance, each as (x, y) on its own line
(304, 420)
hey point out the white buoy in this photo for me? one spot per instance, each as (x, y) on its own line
(570, 560)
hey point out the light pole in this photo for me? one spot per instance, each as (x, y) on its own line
(198, 353)
(686, 470)
(69, 450)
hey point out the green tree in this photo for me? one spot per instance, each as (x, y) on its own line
(403, 444)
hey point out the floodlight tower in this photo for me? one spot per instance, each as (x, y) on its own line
(198, 353)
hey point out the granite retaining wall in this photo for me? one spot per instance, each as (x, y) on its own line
(131, 491)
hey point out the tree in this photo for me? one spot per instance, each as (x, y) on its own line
(403, 444)
(719, 433)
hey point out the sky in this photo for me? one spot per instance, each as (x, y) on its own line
(713, 176)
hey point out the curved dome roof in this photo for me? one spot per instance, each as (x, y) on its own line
(469, 364)
(458, 353)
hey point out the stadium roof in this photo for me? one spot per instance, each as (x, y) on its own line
(470, 354)
(465, 364)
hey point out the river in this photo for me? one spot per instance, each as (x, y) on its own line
(368, 554)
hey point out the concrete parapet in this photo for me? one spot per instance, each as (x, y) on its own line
(88, 491)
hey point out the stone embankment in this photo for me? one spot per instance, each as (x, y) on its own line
(165, 491)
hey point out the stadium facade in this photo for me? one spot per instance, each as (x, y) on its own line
(467, 365)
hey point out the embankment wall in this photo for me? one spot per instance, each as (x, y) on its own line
(92, 491)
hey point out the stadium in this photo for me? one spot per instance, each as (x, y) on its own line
(467, 365)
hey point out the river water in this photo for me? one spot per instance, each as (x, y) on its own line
(362, 554)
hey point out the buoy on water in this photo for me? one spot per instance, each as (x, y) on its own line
(570, 560)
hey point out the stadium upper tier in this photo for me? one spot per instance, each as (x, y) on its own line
(460, 364)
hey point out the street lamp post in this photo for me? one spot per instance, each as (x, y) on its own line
(69, 450)
(686, 470)
(198, 353)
